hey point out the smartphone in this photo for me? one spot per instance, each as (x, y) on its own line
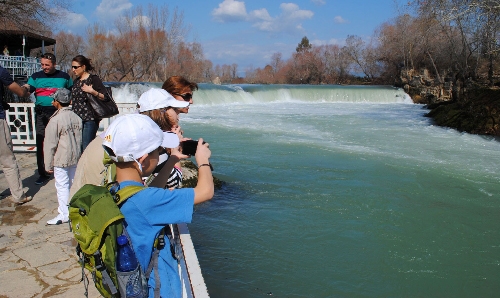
(189, 147)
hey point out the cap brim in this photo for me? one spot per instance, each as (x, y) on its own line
(170, 140)
(174, 103)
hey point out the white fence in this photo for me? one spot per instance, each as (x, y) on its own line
(20, 66)
(21, 120)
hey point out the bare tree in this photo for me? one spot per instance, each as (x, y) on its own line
(68, 46)
(99, 49)
(39, 16)
(470, 25)
(276, 62)
(362, 56)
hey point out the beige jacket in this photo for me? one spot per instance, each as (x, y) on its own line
(63, 139)
(90, 166)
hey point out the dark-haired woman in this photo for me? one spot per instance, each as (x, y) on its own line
(83, 84)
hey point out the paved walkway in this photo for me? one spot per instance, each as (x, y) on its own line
(36, 260)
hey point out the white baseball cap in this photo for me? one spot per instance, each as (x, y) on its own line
(157, 99)
(131, 136)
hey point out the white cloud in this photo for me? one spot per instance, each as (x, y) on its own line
(289, 19)
(339, 20)
(75, 21)
(261, 14)
(108, 10)
(321, 42)
(230, 11)
(319, 2)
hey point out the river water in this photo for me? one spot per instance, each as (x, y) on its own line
(335, 191)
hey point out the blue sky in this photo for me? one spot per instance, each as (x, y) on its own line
(249, 32)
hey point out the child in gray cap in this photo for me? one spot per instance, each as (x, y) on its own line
(62, 148)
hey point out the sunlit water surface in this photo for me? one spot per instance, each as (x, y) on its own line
(342, 192)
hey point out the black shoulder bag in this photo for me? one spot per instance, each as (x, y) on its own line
(105, 108)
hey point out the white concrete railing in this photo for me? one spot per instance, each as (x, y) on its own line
(21, 120)
(20, 66)
(192, 281)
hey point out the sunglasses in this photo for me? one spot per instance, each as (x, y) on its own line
(51, 57)
(76, 67)
(186, 96)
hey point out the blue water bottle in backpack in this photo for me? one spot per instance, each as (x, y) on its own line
(125, 258)
(127, 267)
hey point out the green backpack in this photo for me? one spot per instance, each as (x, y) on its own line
(96, 222)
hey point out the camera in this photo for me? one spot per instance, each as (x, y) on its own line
(189, 147)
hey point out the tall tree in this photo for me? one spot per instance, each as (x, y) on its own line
(363, 56)
(68, 46)
(304, 45)
(465, 23)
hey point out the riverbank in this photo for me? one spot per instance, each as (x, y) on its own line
(477, 113)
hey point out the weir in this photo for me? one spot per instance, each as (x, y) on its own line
(21, 120)
(211, 94)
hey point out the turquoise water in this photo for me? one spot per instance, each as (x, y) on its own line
(343, 192)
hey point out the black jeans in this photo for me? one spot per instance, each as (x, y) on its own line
(42, 116)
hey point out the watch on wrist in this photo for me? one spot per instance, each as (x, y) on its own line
(206, 164)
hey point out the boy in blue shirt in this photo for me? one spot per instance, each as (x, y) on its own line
(132, 142)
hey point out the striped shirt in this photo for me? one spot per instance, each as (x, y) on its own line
(175, 178)
(45, 85)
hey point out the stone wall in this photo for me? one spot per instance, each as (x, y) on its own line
(425, 89)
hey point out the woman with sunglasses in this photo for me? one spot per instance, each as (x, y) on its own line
(84, 84)
(181, 89)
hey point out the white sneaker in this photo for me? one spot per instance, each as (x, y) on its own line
(57, 220)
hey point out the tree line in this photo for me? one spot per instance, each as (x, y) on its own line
(457, 40)
(454, 40)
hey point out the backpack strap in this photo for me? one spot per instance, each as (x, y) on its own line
(108, 173)
(99, 265)
(82, 260)
(123, 194)
(153, 264)
(175, 245)
(120, 197)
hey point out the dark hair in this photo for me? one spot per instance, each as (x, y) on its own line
(176, 84)
(66, 104)
(49, 56)
(82, 60)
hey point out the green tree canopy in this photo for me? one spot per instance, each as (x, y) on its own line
(304, 45)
